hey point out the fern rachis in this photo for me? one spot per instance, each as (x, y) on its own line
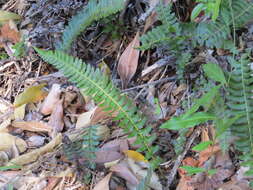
(92, 82)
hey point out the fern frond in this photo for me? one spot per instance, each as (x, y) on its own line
(93, 11)
(163, 33)
(93, 83)
(216, 34)
(90, 142)
(239, 101)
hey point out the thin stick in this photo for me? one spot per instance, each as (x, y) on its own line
(180, 158)
(151, 83)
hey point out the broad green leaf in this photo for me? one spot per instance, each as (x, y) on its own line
(202, 146)
(214, 72)
(206, 100)
(30, 95)
(177, 123)
(3, 168)
(192, 170)
(216, 10)
(195, 12)
(5, 16)
(211, 172)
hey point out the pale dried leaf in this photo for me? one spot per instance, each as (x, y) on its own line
(51, 100)
(8, 140)
(19, 112)
(104, 183)
(123, 171)
(34, 126)
(56, 118)
(141, 173)
(33, 155)
(128, 61)
(84, 119)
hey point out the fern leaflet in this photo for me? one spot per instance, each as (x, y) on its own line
(93, 11)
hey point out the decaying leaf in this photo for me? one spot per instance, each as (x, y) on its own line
(30, 95)
(35, 126)
(19, 112)
(141, 173)
(84, 119)
(104, 183)
(128, 61)
(56, 118)
(8, 140)
(10, 33)
(103, 156)
(33, 155)
(51, 100)
(122, 170)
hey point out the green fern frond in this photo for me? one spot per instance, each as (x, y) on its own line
(233, 14)
(239, 101)
(93, 11)
(163, 33)
(93, 83)
(90, 143)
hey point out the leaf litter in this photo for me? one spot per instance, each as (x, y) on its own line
(40, 120)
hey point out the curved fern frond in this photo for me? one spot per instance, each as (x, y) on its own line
(93, 83)
(163, 33)
(93, 11)
(240, 102)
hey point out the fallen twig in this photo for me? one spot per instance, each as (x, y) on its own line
(173, 172)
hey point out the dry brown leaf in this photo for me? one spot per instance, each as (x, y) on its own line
(128, 61)
(51, 100)
(56, 118)
(8, 140)
(30, 95)
(104, 183)
(122, 170)
(107, 156)
(34, 126)
(33, 155)
(9, 33)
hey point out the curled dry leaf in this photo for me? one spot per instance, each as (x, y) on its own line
(56, 118)
(8, 140)
(84, 119)
(51, 100)
(34, 126)
(122, 170)
(33, 155)
(30, 95)
(128, 61)
(104, 183)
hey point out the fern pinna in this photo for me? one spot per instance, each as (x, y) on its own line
(239, 101)
(93, 11)
(92, 82)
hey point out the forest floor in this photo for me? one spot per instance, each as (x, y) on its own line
(38, 135)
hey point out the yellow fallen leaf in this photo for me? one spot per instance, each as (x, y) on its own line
(30, 95)
(136, 156)
(7, 141)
